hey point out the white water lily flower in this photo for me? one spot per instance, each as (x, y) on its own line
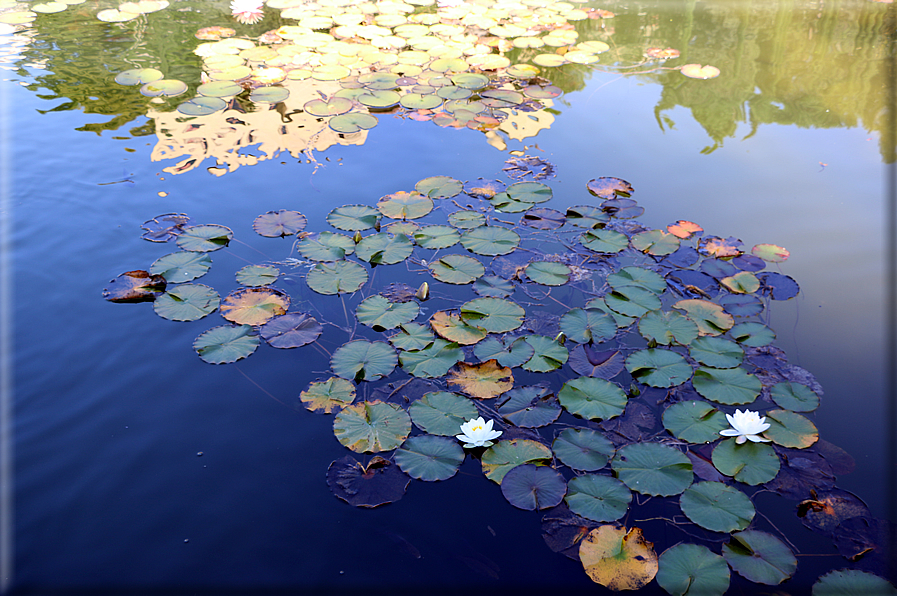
(478, 433)
(746, 425)
(247, 12)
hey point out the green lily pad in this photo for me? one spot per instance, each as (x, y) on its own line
(785, 428)
(442, 413)
(433, 361)
(583, 449)
(419, 101)
(384, 248)
(466, 220)
(852, 582)
(791, 396)
(591, 398)
(603, 241)
(412, 336)
(666, 327)
(450, 326)
(622, 321)
(638, 277)
(743, 282)
(632, 301)
(495, 315)
(653, 469)
(547, 273)
(138, 76)
(219, 89)
(186, 302)
(278, 224)
(751, 463)
(362, 360)
(436, 237)
(291, 330)
(752, 334)
(379, 80)
(166, 87)
(269, 95)
(322, 108)
(429, 458)
(691, 569)
(533, 487)
(439, 187)
(379, 99)
(380, 314)
(658, 367)
(372, 427)
(257, 275)
(760, 557)
(226, 344)
(529, 192)
(405, 205)
(202, 106)
(341, 277)
(510, 352)
(499, 459)
(490, 240)
(731, 386)
(204, 238)
(716, 352)
(353, 218)
(548, 354)
(717, 507)
(352, 122)
(326, 397)
(694, 421)
(585, 325)
(470, 80)
(457, 269)
(505, 204)
(179, 267)
(492, 286)
(502, 98)
(710, 317)
(586, 216)
(530, 407)
(655, 242)
(326, 247)
(598, 498)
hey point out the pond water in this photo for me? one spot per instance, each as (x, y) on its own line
(133, 466)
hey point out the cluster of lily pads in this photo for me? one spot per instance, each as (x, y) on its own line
(606, 353)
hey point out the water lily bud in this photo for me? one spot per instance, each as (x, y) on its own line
(377, 225)
(423, 292)
(357, 237)
(561, 338)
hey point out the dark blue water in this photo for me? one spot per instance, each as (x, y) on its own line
(112, 407)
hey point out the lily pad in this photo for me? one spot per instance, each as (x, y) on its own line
(280, 223)
(492, 286)
(433, 361)
(292, 330)
(495, 315)
(384, 248)
(548, 354)
(547, 273)
(666, 327)
(326, 247)
(204, 238)
(436, 237)
(653, 469)
(483, 381)
(655, 242)
(490, 240)
(186, 302)
(405, 205)
(138, 76)
(751, 463)
(852, 582)
(353, 218)
(694, 421)
(429, 458)
(542, 218)
(598, 498)
(752, 334)
(590, 361)
(510, 352)
(717, 507)
(731, 386)
(466, 220)
(439, 187)
(609, 187)
(226, 344)
(135, 286)
(691, 569)
(770, 253)
(743, 282)
(179, 267)
(760, 557)
(617, 559)
(499, 459)
(352, 122)
(603, 241)
(341, 277)
(591, 398)
(658, 367)
(794, 396)
(380, 314)
(632, 301)
(202, 106)
(327, 397)
(254, 306)
(533, 487)
(450, 326)
(413, 336)
(442, 413)
(324, 108)
(530, 407)
(637, 277)
(787, 429)
(586, 216)
(716, 352)
(362, 360)
(710, 317)
(372, 427)
(257, 275)
(696, 71)
(530, 192)
(166, 87)
(377, 483)
(585, 325)
(583, 449)
(457, 269)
